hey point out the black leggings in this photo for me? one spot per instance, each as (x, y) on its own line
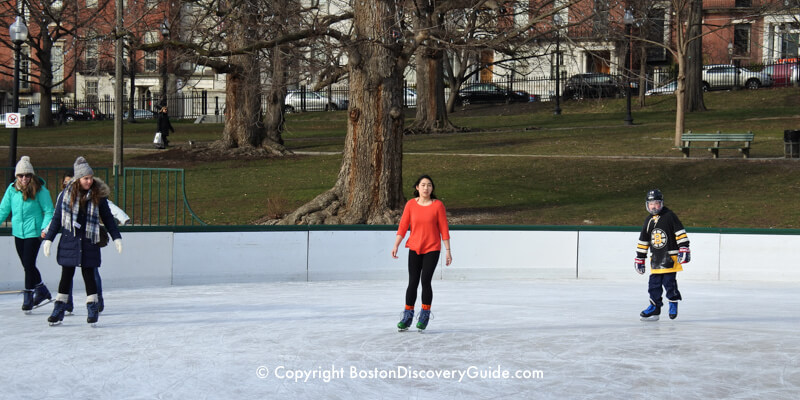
(65, 286)
(28, 250)
(420, 266)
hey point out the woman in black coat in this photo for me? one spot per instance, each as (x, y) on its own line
(83, 204)
(163, 125)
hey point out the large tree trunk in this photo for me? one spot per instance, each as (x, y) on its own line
(243, 126)
(680, 98)
(45, 79)
(694, 63)
(369, 186)
(276, 95)
(431, 108)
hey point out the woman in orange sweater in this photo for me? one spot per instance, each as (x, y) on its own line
(425, 216)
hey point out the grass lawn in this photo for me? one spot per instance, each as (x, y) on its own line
(517, 164)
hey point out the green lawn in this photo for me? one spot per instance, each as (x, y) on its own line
(516, 164)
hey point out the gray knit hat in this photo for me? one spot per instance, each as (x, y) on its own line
(82, 168)
(24, 166)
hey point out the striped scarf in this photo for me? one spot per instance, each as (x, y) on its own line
(92, 214)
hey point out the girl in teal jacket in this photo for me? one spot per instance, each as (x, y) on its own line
(31, 208)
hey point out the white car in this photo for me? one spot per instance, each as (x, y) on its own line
(667, 88)
(311, 101)
(723, 76)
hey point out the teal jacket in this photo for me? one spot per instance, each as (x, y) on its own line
(28, 217)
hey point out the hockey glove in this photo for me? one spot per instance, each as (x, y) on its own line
(638, 265)
(46, 246)
(684, 255)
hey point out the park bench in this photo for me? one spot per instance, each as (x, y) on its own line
(716, 141)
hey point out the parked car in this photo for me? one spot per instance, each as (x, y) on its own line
(313, 102)
(723, 76)
(140, 114)
(490, 93)
(592, 85)
(783, 74)
(667, 88)
(93, 113)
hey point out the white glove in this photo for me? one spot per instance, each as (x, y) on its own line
(46, 245)
(118, 245)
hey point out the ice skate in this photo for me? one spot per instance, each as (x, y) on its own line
(408, 318)
(27, 301)
(70, 305)
(92, 306)
(651, 313)
(58, 310)
(424, 317)
(100, 304)
(41, 295)
(673, 309)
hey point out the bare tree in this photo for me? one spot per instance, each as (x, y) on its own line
(55, 30)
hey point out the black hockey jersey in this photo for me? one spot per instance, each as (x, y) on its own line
(663, 235)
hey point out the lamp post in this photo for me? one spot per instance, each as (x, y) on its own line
(730, 53)
(628, 20)
(19, 34)
(165, 36)
(557, 23)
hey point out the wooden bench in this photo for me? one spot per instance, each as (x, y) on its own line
(716, 141)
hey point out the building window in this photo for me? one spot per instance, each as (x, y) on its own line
(92, 94)
(741, 39)
(789, 44)
(24, 68)
(743, 3)
(150, 61)
(91, 55)
(57, 59)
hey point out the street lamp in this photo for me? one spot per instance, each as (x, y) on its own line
(165, 36)
(730, 53)
(628, 20)
(19, 34)
(557, 22)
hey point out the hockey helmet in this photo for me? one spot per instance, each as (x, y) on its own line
(656, 198)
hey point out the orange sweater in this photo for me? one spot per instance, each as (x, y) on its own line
(428, 226)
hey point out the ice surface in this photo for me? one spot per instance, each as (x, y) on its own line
(731, 340)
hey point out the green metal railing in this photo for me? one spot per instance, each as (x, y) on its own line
(150, 196)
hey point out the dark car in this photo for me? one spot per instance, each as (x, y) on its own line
(76, 114)
(93, 113)
(490, 93)
(592, 85)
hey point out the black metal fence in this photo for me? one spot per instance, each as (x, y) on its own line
(198, 104)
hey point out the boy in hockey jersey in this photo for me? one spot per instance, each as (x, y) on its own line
(664, 236)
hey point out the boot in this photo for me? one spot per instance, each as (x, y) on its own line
(651, 313)
(424, 316)
(27, 300)
(40, 294)
(408, 318)
(100, 304)
(91, 306)
(58, 311)
(70, 305)
(673, 309)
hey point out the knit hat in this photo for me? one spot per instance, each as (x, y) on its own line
(82, 168)
(24, 166)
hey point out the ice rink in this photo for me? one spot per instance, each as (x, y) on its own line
(536, 339)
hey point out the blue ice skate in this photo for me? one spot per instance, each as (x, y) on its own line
(41, 295)
(673, 309)
(58, 310)
(93, 306)
(27, 301)
(408, 318)
(424, 317)
(650, 313)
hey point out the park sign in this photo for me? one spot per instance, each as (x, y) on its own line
(13, 120)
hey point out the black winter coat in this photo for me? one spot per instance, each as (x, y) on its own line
(77, 250)
(163, 124)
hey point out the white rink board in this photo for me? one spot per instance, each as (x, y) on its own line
(226, 257)
(512, 255)
(335, 255)
(760, 258)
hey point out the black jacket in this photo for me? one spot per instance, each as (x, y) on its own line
(163, 124)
